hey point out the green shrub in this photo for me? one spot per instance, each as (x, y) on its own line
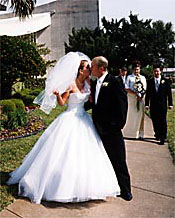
(17, 95)
(21, 117)
(25, 92)
(7, 106)
(19, 104)
(17, 87)
(13, 114)
(35, 92)
(28, 100)
(27, 95)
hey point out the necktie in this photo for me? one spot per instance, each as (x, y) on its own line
(157, 85)
(98, 85)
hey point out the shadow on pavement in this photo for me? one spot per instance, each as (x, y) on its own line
(79, 206)
(152, 140)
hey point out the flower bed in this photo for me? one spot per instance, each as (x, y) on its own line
(34, 125)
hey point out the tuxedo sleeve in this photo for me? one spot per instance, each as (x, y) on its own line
(121, 99)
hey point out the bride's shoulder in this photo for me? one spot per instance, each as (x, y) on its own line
(72, 87)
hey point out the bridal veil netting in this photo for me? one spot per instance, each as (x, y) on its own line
(60, 78)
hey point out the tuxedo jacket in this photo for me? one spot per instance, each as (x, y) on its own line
(121, 80)
(158, 100)
(111, 109)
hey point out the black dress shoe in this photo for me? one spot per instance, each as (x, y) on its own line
(157, 137)
(141, 138)
(161, 142)
(126, 196)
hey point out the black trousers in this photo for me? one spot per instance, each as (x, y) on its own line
(159, 124)
(115, 147)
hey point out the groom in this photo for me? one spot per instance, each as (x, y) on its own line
(109, 110)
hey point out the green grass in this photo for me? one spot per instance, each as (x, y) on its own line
(12, 153)
(171, 129)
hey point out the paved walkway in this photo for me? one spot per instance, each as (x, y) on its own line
(153, 187)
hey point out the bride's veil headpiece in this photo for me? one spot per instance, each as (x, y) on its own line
(60, 78)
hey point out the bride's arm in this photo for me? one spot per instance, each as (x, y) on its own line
(61, 99)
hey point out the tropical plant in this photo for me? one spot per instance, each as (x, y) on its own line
(21, 8)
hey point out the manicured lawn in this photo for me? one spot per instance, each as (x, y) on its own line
(12, 153)
(171, 129)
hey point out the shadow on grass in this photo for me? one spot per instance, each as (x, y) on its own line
(4, 177)
(11, 189)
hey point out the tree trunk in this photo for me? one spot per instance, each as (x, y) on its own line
(6, 90)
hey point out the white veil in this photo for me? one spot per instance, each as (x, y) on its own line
(59, 78)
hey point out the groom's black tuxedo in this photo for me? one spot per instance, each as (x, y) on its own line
(111, 109)
(109, 117)
(158, 105)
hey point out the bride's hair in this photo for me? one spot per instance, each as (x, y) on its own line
(81, 66)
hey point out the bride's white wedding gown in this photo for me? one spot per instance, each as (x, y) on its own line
(68, 163)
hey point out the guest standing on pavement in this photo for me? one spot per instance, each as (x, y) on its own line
(157, 95)
(135, 86)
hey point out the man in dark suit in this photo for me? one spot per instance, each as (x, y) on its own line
(109, 110)
(124, 74)
(157, 94)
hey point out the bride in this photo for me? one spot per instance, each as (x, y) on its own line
(68, 163)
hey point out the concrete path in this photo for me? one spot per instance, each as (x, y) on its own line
(153, 188)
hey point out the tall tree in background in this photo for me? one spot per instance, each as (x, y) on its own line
(123, 41)
(21, 8)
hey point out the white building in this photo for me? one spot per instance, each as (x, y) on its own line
(52, 22)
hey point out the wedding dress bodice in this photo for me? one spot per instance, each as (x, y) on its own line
(76, 102)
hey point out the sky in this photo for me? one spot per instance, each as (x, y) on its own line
(155, 9)
(145, 9)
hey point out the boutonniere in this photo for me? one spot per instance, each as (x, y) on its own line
(105, 84)
(163, 81)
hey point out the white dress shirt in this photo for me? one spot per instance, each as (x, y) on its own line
(124, 79)
(98, 86)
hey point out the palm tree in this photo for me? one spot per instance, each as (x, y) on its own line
(21, 8)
